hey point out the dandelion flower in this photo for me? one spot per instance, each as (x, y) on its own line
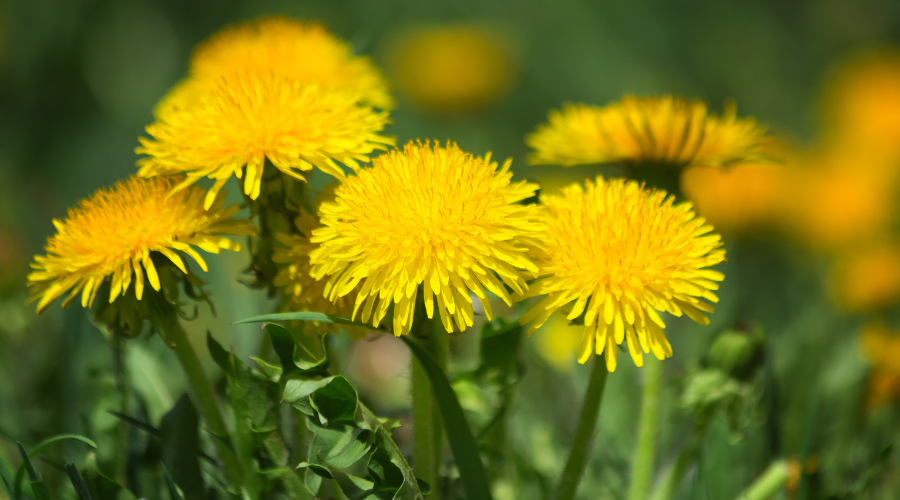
(869, 278)
(738, 198)
(303, 292)
(246, 118)
(621, 253)
(862, 104)
(301, 51)
(431, 216)
(640, 130)
(111, 234)
(881, 348)
(452, 68)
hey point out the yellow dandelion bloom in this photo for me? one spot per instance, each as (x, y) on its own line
(881, 347)
(432, 216)
(621, 253)
(868, 278)
(303, 292)
(641, 130)
(245, 118)
(111, 234)
(862, 103)
(829, 208)
(452, 68)
(301, 51)
(739, 198)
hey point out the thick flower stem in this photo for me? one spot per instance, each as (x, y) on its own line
(645, 450)
(584, 433)
(428, 428)
(174, 335)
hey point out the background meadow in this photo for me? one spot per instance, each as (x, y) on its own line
(812, 262)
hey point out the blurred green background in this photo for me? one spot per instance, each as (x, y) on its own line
(78, 82)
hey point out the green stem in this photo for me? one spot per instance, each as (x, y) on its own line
(673, 476)
(767, 485)
(172, 332)
(428, 428)
(584, 433)
(645, 451)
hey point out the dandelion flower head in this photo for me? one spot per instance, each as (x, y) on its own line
(432, 216)
(111, 234)
(738, 198)
(302, 291)
(881, 347)
(622, 253)
(868, 278)
(300, 51)
(452, 68)
(646, 130)
(246, 118)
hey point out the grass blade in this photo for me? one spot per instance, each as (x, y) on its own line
(77, 482)
(307, 316)
(462, 443)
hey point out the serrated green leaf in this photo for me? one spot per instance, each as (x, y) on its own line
(337, 401)
(272, 372)
(355, 487)
(305, 316)
(77, 482)
(299, 388)
(218, 353)
(180, 438)
(459, 435)
(338, 445)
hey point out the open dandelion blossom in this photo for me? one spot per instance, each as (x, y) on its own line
(246, 118)
(302, 291)
(111, 234)
(621, 253)
(301, 51)
(432, 216)
(640, 130)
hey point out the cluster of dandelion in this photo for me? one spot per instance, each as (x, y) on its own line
(418, 228)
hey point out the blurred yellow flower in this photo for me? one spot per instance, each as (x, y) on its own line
(111, 235)
(432, 216)
(452, 68)
(303, 292)
(881, 347)
(830, 208)
(737, 198)
(558, 341)
(640, 130)
(869, 278)
(242, 119)
(621, 253)
(300, 51)
(862, 103)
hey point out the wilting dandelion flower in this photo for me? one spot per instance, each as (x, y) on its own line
(431, 216)
(111, 234)
(621, 253)
(245, 118)
(452, 68)
(881, 347)
(303, 292)
(300, 51)
(641, 130)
